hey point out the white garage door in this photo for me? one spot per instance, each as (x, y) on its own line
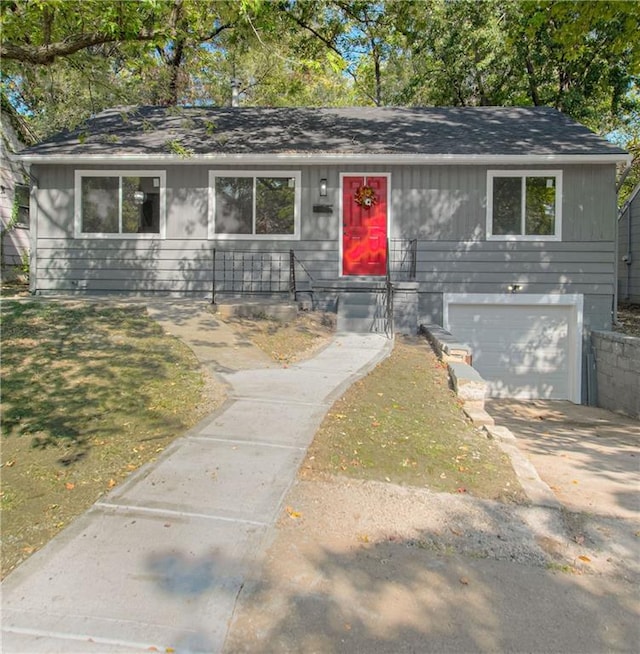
(524, 346)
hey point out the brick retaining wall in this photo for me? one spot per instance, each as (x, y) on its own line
(617, 359)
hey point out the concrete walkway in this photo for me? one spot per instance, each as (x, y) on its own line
(157, 565)
(588, 457)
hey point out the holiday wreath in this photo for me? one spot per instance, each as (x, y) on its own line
(365, 196)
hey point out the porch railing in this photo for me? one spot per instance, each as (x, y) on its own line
(247, 272)
(402, 256)
(402, 259)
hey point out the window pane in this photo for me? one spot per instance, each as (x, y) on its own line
(140, 205)
(234, 205)
(275, 201)
(22, 203)
(507, 205)
(540, 206)
(99, 205)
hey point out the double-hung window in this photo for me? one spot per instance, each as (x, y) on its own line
(254, 205)
(120, 204)
(524, 205)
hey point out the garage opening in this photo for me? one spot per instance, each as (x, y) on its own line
(525, 346)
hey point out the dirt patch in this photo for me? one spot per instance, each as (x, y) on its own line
(628, 319)
(288, 342)
(14, 288)
(365, 566)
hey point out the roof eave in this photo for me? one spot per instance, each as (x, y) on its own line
(311, 158)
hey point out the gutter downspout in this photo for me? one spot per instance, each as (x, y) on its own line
(629, 255)
(623, 177)
(627, 258)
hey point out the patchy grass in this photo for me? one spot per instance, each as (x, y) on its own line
(287, 342)
(403, 424)
(89, 394)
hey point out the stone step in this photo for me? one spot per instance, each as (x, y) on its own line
(361, 312)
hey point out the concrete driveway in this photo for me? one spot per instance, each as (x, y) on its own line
(589, 457)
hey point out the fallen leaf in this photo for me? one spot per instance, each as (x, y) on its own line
(574, 481)
(464, 581)
(112, 483)
(363, 538)
(461, 490)
(584, 558)
(293, 514)
(69, 485)
(10, 464)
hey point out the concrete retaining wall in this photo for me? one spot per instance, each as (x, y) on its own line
(617, 359)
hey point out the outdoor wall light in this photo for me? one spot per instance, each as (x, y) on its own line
(514, 288)
(323, 187)
(138, 197)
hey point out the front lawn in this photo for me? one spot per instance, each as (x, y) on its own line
(89, 394)
(403, 424)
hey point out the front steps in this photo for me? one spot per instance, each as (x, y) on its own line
(363, 312)
(362, 306)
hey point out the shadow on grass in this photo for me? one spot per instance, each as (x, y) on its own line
(71, 371)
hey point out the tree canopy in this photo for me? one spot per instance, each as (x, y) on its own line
(63, 60)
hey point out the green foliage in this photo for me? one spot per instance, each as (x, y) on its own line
(175, 147)
(67, 59)
(25, 263)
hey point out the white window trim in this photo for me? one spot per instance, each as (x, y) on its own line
(213, 235)
(79, 174)
(492, 174)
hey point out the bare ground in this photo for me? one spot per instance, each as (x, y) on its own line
(628, 319)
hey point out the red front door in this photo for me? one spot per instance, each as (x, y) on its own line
(364, 225)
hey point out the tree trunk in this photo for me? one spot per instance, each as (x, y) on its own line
(175, 64)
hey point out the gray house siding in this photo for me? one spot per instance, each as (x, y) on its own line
(629, 250)
(443, 207)
(15, 237)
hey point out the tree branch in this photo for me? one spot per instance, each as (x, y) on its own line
(47, 54)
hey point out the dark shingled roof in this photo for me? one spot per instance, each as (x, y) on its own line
(308, 131)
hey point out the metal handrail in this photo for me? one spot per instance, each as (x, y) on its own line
(402, 258)
(249, 272)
